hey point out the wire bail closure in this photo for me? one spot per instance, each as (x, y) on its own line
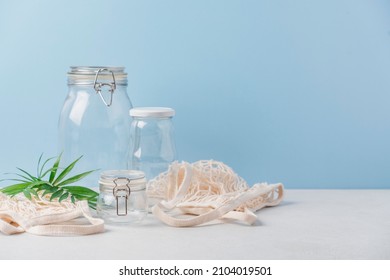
(98, 86)
(121, 192)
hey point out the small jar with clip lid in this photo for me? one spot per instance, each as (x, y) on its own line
(122, 197)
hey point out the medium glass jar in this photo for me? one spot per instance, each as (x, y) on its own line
(94, 120)
(152, 145)
(122, 197)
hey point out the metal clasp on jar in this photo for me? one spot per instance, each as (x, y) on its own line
(121, 192)
(98, 86)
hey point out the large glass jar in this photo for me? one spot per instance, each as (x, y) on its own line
(94, 120)
(122, 197)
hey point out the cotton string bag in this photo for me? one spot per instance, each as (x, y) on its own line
(208, 190)
(41, 216)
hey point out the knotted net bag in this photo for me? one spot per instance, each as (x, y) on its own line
(41, 216)
(208, 190)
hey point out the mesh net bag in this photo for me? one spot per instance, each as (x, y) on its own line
(41, 216)
(208, 190)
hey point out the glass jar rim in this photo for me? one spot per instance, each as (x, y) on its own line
(134, 179)
(86, 75)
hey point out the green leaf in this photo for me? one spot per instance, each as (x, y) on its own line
(73, 199)
(34, 192)
(15, 189)
(64, 196)
(41, 175)
(47, 171)
(56, 194)
(46, 192)
(81, 191)
(28, 174)
(43, 187)
(38, 165)
(19, 175)
(82, 197)
(75, 178)
(27, 193)
(16, 180)
(38, 183)
(65, 171)
(53, 172)
(92, 204)
(12, 193)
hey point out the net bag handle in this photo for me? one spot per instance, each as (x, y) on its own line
(56, 224)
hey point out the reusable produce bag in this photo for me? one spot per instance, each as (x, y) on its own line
(44, 217)
(207, 190)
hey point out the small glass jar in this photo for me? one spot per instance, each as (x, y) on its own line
(122, 197)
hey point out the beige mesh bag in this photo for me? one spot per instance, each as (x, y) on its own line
(197, 193)
(44, 217)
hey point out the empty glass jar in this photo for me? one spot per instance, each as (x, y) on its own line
(94, 120)
(152, 145)
(122, 197)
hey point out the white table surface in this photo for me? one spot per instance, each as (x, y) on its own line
(308, 224)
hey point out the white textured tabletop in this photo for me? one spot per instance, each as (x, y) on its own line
(308, 224)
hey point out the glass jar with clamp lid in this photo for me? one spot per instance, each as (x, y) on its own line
(94, 120)
(122, 197)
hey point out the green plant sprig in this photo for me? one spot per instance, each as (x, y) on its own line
(58, 186)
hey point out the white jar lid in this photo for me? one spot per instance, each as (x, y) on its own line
(152, 112)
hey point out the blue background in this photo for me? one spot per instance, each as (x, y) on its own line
(282, 91)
